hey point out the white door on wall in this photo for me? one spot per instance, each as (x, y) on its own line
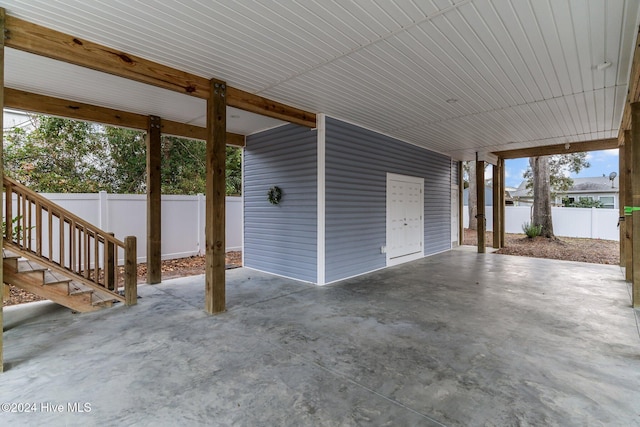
(405, 213)
(454, 215)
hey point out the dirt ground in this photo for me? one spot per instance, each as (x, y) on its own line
(170, 270)
(595, 251)
(565, 248)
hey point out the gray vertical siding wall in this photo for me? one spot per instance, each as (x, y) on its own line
(281, 239)
(357, 162)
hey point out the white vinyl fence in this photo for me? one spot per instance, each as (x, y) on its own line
(183, 220)
(591, 223)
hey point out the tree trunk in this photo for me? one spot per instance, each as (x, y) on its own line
(473, 197)
(542, 194)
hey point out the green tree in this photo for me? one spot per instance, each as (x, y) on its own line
(583, 202)
(183, 166)
(127, 151)
(60, 155)
(234, 171)
(546, 176)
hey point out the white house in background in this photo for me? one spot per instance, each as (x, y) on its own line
(600, 188)
(522, 196)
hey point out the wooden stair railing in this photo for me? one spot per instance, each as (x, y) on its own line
(68, 244)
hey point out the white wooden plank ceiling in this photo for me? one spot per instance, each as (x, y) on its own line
(453, 76)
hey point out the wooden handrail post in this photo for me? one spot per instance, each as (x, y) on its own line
(110, 267)
(130, 270)
(8, 212)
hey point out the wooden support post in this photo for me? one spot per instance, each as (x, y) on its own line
(2, 28)
(482, 223)
(130, 270)
(621, 204)
(154, 201)
(215, 298)
(625, 200)
(635, 201)
(460, 204)
(496, 206)
(502, 202)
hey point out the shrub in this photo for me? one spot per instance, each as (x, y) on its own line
(531, 230)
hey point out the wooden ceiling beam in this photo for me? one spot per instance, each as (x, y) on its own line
(549, 150)
(39, 40)
(42, 104)
(33, 38)
(256, 104)
(633, 92)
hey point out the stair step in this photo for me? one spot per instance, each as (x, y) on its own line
(51, 278)
(55, 292)
(76, 288)
(10, 258)
(103, 303)
(98, 299)
(23, 270)
(7, 254)
(27, 266)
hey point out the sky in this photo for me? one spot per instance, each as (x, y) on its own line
(602, 162)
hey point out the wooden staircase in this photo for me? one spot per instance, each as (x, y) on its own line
(56, 255)
(27, 274)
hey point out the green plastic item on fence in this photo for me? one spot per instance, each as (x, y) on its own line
(628, 210)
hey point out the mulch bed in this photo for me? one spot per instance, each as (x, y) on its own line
(596, 251)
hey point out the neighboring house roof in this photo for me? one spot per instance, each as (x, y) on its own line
(597, 184)
(509, 192)
(521, 191)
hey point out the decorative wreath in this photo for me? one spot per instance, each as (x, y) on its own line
(274, 195)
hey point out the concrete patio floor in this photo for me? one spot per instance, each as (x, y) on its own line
(453, 339)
